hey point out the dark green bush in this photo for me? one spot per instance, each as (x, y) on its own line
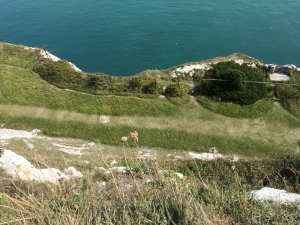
(240, 97)
(287, 92)
(233, 84)
(175, 90)
(236, 78)
(136, 83)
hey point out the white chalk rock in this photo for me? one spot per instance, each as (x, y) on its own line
(19, 168)
(205, 156)
(279, 77)
(180, 175)
(120, 169)
(280, 196)
(13, 163)
(239, 61)
(71, 171)
(293, 66)
(114, 162)
(50, 175)
(100, 169)
(190, 68)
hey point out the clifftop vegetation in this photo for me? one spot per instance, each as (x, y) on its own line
(163, 105)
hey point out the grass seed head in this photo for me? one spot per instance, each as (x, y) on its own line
(124, 139)
(213, 150)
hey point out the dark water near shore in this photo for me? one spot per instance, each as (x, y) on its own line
(124, 37)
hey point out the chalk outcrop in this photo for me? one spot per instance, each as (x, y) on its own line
(19, 168)
(50, 56)
(277, 73)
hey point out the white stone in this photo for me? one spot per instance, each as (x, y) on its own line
(13, 163)
(73, 172)
(48, 55)
(280, 196)
(239, 61)
(180, 175)
(189, 68)
(113, 162)
(205, 156)
(279, 77)
(50, 175)
(120, 169)
(100, 168)
(19, 168)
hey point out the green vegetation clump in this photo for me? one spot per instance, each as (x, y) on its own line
(62, 75)
(286, 92)
(233, 82)
(153, 87)
(176, 90)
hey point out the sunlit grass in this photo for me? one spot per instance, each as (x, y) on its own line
(149, 193)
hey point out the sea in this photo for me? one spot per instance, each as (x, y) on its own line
(126, 37)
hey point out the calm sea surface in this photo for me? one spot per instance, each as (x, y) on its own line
(122, 37)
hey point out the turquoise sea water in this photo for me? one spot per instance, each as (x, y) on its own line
(122, 37)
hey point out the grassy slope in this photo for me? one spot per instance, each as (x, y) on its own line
(59, 112)
(211, 192)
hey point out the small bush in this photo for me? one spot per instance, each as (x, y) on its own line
(136, 83)
(175, 90)
(152, 88)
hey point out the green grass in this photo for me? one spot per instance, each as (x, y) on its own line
(264, 135)
(31, 90)
(28, 102)
(210, 193)
(292, 106)
(257, 109)
(165, 138)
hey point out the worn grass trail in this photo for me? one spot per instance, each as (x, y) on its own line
(192, 122)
